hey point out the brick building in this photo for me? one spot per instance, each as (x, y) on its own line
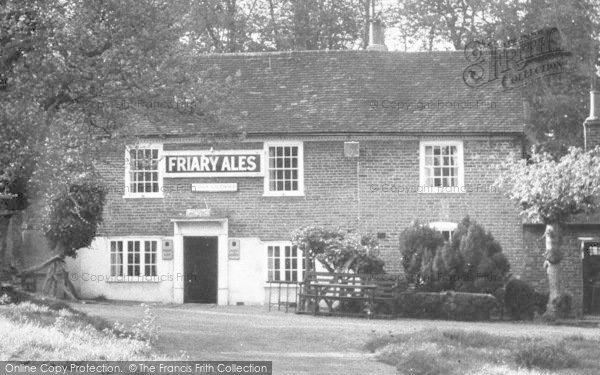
(368, 140)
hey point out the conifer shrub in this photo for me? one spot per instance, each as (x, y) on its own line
(471, 262)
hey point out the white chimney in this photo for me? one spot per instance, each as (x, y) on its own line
(376, 36)
(591, 125)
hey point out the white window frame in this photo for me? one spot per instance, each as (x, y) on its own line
(300, 191)
(461, 168)
(444, 226)
(125, 263)
(282, 269)
(161, 167)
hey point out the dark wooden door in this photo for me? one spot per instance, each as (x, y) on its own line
(591, 277)
(200, 269)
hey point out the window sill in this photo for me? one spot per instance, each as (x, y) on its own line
(285, 284)
(133, 279)
(283, 194)
(442, 190)
(159, 195)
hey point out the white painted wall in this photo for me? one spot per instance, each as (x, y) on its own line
(90, 274)
(240, 281)
(248, 276)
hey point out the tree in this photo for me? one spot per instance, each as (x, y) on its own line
(472, 261)
(74, 75)
(418, 246)
(551, 192)
(276, 25)
(338, 250)
(557, 106)
(74, 216)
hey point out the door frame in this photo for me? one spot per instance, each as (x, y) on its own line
(200, 227)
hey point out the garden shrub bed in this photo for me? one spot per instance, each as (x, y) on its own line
(447, 305)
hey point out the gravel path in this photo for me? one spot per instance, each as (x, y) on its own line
(297, 344)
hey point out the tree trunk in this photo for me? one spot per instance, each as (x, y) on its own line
(553, 257)
(15, 234)
(4, 224)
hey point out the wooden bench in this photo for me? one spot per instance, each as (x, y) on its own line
(349, 294)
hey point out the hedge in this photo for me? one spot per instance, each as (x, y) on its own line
(447, 305)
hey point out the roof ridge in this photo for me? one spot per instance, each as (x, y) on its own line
(336, 51)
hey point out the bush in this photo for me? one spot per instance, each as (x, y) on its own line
(563, 305)
(469, 306)
(541, 302)
(416, 243)
(544, 355)
(473, 259)
(519, 300)
(339, 250)
(471, 262)
(447, 305)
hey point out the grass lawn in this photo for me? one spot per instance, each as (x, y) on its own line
(453, 351)
(49, 330)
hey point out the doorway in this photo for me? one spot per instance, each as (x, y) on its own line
(591, 277)
(200, 269)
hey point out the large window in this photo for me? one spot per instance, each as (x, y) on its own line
(285, 174)
(285, 263)
(143, 177)
(133, 258)
(442, 168)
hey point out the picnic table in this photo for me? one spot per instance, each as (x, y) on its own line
(329, 293)
(348, 294)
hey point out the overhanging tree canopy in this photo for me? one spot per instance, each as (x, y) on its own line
(550, 192)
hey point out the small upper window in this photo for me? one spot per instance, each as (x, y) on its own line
(285, 175)
(442, 167)
(143, 176)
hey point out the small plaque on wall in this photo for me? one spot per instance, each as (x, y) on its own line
(215, 187)
(234, 249)
(167, 249)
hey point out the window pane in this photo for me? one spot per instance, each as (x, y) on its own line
(144, 170)
(283, 167)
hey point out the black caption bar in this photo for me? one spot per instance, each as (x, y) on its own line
(136, 367)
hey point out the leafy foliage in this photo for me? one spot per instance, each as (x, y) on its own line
(447, 305)
(549, 190)
(418, 246)
(247, 26)
(519, 300)
(557, 107)
(75, 215)
(471, 262)
(75, 75)
(563, 305)
(339, 250)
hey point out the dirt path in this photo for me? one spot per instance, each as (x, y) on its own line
(297, 344)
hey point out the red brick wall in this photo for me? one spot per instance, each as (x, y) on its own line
(332, 197)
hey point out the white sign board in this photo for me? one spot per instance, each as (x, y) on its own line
(233, 163)
(215, 187)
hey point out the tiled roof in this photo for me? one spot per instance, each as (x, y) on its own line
(363, 91)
